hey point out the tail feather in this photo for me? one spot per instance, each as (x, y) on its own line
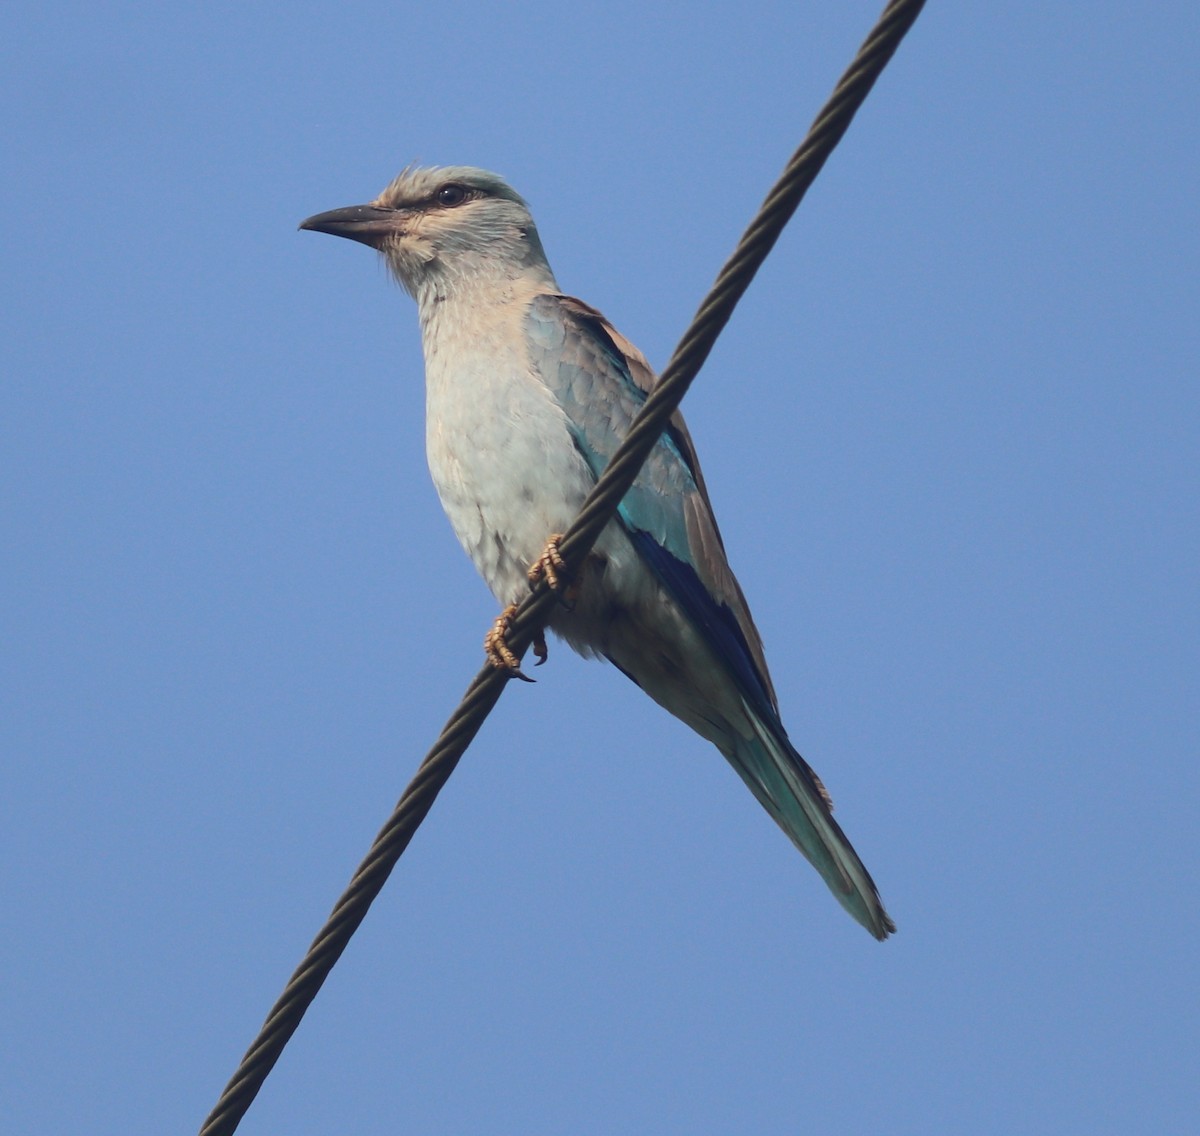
(794, 796)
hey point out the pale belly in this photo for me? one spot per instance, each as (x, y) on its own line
(504, 465)
(509, 475)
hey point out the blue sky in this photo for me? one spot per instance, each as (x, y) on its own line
(951, 436)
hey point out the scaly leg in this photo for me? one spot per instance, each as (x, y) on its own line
(552, 568)
(548, 566)
(495, 644)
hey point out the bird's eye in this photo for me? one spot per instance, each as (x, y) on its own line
(451, 195)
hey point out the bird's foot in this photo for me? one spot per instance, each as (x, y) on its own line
(552, 568)
(495, 644)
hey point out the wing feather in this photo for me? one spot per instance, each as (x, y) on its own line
(601, 380)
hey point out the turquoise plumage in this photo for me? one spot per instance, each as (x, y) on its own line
(529, 392)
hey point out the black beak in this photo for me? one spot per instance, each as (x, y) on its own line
(368, 224)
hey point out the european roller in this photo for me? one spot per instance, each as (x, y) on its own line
(528, 393)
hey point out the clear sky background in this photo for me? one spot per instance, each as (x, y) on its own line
(951, 436)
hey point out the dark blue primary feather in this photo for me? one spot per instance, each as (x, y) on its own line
(716, 621)
(591, 378)
(669, 522)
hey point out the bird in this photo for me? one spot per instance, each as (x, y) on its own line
(528, 393)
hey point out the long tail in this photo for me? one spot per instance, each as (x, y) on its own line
(793, 794)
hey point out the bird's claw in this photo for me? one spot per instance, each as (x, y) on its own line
(495, 644)
(550, 566)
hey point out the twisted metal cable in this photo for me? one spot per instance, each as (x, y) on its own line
(483, 693)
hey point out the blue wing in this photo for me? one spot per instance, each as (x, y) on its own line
(591, 368)
(601, 381)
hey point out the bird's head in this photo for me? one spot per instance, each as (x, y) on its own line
(440, 227)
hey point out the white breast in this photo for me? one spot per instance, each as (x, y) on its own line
(498, 444)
